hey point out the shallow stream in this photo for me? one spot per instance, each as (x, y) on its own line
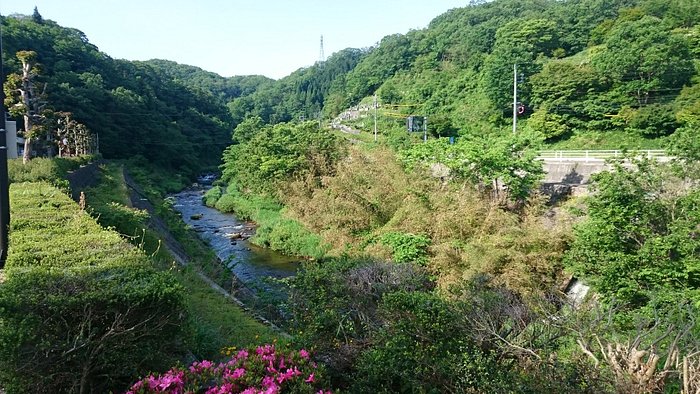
(252, 265)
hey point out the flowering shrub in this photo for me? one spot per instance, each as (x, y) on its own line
(264, 370)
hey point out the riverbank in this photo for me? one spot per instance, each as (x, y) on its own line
(256, 271)
(275, 230)
(218, 319)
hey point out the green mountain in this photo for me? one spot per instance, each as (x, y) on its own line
(616, 70)
(588, 71)
(138, 109)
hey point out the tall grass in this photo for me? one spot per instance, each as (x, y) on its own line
(373, 206)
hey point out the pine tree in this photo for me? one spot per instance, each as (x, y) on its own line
(36, 16)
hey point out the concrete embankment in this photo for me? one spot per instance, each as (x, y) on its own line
(572, 172)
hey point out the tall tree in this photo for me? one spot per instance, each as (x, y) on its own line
(36, 16)
(23, 98)
(645, 59)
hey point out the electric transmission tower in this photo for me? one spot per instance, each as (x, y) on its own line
(322, 56)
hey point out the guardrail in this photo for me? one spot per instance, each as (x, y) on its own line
(600, 154)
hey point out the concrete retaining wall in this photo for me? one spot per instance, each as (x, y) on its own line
(571, 172)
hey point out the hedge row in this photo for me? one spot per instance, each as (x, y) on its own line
(80, 308)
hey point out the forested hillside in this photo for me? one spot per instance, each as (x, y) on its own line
(592, 72)
(306, 93)
(138, 109)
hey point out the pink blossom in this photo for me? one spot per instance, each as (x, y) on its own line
(268, 381)
(224, 389)
(242, 355)
(262, 364)
(152, 382)
(137, 386)
(273, 389)
(198, 367)
(265, 350)
(284, 376)
(237, 373)
(172, 381)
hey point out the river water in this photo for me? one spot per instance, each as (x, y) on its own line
(253, 265)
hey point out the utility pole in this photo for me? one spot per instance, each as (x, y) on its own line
(4, 181)
(515, 97)
(375, 117)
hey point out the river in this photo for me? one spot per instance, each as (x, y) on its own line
(253, 265)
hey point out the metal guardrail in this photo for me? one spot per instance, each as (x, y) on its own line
(600, 154)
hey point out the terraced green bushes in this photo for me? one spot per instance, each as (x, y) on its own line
(81, 310)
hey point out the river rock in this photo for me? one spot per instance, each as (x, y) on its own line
(234, 235)
(196, 216)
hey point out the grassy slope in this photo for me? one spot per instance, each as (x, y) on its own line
(217, 322)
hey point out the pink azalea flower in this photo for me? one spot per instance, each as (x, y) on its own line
(249, 390)
(268, 381)
(310, 379)
(304, 354)
(274, 389)
(170, 382)
(137, 386)
(237, 373)
(152, 382)
(242, 355)
(224, 389)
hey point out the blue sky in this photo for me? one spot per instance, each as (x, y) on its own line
(267, 37)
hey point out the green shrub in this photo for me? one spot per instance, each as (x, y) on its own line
(407, 248)
(417, 350)
(335, 305)
(287, 235)
(80, 309)
(212, 196)
(637, 244)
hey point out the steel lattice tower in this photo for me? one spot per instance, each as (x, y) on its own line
(322, 56)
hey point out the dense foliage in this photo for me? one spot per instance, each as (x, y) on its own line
(136, 108)
(380, 328)
(639, 243)
(80, 309)
(590, 72)
(304, 94)
(276, 153)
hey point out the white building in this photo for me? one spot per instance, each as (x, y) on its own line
(15, 145)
